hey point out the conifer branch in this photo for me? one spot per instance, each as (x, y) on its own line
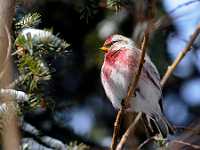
(49, 141)
(29, 20)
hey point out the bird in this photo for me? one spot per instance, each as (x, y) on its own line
(120, 64)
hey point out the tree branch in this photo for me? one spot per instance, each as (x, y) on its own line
(131, 90)
(130, 130)
(163, 81)
(31, 144)
(6, 61)
(180, 56)
(194, 146)
(145, 142)
(134, 84)
(10, 137)
(183, 5)
(49, 141)
(150, 16)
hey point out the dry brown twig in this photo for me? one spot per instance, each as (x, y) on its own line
(116, 128)
(130, 92)
(10, 139)
(130, 129)
(194, 146)
(180, 56)
(133, 85)
(150, 15)
(169, 72)
(163, 81)
(145, 142)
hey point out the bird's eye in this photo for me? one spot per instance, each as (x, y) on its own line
(119, 40)
(112, 42)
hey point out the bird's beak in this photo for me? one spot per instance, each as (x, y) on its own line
(104, 49)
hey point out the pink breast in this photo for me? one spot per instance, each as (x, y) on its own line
(118, 59)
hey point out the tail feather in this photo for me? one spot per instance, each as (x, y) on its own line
(171, 129)
(157, 124)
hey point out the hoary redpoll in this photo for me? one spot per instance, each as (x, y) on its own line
(120, 64)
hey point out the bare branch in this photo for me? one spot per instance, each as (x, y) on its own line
(183, 5)
(187, 144)
(151, 13)
(145, 142)
(167, 75)
(117, 125)
(130, 91)
(129, 131)
(180, 56)
(10, 137)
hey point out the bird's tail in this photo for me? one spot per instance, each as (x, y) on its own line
(157, 124)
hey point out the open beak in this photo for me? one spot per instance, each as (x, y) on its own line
(104, 49)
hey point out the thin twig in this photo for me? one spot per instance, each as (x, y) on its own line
(137, 76)
(181, 55)
(134, 81)
(130, 129)
(134, 84)
(145, 142)
(186, 128)
(194, 146)
(183, 5)
(117, 125)
(167, 75)
(165, 20)
(130, 92)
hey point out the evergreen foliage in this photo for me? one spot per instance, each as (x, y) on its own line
(29, 20)
(116, 4)
(88, 9)
(31, 49)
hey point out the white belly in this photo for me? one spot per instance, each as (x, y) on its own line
(116, 87)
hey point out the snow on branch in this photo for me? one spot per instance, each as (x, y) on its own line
(49, 141)
(19, 96)
(29, 143)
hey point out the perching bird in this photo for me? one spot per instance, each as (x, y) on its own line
(120, 64)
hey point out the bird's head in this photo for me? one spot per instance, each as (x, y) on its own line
(114, 40)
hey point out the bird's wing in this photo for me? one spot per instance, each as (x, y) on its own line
(152, 72)
(154, 76)
(149, 68)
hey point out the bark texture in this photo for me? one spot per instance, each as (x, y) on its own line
(10, 134)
